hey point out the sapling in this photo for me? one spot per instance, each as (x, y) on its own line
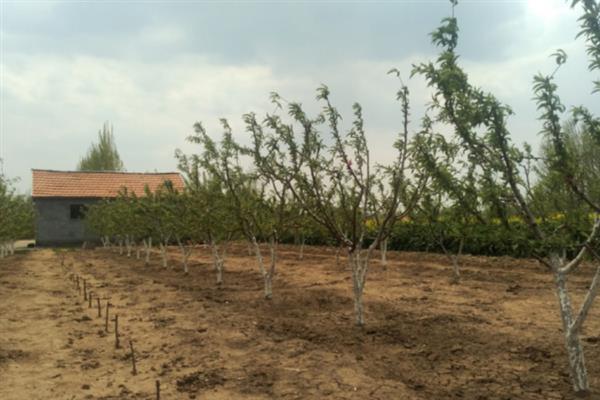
(146, 227)
(104, 219)
(282, 212)
(16, 217)
(177, 222)
(471, 112)
(333, 182)
(212, 208)
(301, 226)
(186, 223)
(161, 217)
(456, 195)
(258, 208)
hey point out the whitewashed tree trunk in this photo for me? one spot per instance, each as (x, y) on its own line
(359, 265)
(302, 242)
(455, 268)
(120, 246)
(219, 268)
(128, 245)
(138, 250)
(454, 259)
(383, 248)
(267, 274)
(163, 253)
(11, 247)
(573, 346)
(573, 324)
(186, 251)
(147, 248)
(218, 261)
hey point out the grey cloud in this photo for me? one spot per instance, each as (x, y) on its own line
(291, 33)
(153, 69)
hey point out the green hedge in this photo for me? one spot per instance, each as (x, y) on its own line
(488, 240)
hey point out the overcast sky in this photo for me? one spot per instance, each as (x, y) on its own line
(153, 68)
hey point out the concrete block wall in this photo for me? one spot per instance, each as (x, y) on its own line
(54, 225)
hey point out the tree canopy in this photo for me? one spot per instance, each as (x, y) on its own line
(103, 155)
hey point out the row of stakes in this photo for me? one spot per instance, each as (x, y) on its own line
(89, 297)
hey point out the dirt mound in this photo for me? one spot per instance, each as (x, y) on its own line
(198, 381)
(12, 355)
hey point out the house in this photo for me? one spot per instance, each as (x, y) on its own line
(61, 197)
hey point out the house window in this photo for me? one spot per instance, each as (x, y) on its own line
(78, 211)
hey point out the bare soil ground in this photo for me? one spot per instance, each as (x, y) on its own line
(497, 335)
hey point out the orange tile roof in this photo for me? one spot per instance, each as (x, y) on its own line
(48, 183)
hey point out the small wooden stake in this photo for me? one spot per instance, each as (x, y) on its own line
(106, 321)
(99, 308)
(84, 290)
(157, 390)
(90, 300)
(132, 358)
(117, 344)
(78, 285)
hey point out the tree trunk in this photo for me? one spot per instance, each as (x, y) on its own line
(573, 345)
(138, 250)
(11, 247)
(302, 242)
(163, 253)
(147, 248)
(454, 259)
(218, 261)
(185, 253)
(266, 274)
(455, 269)
(268, 278)
(128, 245)
(120, 246)
(383, 248)
(220, 272)
(359, 267)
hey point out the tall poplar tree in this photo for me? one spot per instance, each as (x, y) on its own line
(102, 156)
